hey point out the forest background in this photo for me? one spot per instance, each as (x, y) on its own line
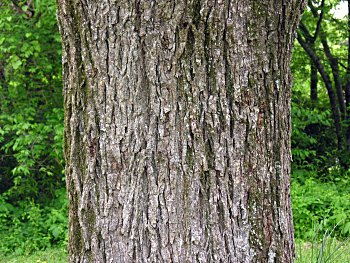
(33, 204)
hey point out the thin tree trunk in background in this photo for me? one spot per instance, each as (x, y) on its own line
(338, 104)
(328, 84)
(336, 76)
(313, 83)
(347, 86)
(177, 129)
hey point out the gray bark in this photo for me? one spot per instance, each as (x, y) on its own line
(177, 129)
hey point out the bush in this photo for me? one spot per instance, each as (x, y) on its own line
(29, 227)
(323, 204)
(33, 214)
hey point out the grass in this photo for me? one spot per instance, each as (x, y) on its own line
(52, 255)
(327, 251)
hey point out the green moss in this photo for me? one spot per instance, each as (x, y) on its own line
(90, 219)
(76, 239)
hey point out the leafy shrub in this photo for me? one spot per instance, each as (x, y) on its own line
(36, 168)
(33, 214)
(31, 113)
(29, 227)
(312, 138)
(324, 204)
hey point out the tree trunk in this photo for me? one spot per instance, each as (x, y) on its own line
(313, 83)
(329, 86)
(347, 87)
(177, 129)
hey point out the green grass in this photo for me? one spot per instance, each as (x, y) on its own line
(53, 255)
(328, 251)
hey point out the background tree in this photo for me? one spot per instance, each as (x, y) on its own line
(316, 37)
(177, 129)
(320, 168)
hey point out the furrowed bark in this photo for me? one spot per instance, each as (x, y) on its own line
(177, 129)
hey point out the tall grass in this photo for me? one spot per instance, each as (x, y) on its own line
(324, 248)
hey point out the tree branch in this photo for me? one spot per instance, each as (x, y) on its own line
(335, 70)
(29, 12)
(303, 28)
(328, 83)
(318, 27)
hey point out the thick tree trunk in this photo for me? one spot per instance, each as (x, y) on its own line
(177, 129)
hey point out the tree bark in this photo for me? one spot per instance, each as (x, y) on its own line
(177, 129)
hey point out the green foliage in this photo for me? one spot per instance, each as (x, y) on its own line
(30, 87)
(29, 227)
(31, 109)
(320, 167)
(33, 213)
(307, 132)
(314, 146)
(324, 204)
(37, 168)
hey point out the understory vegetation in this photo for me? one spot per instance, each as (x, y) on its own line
(33, 202)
